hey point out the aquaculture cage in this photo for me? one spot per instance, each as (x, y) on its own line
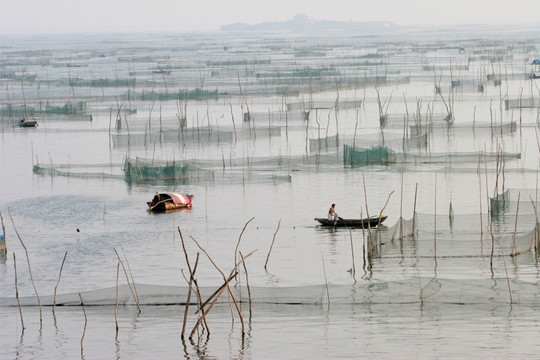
(374, 155)
(140, 169)
(499, 203)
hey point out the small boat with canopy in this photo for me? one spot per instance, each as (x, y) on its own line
(169, 201)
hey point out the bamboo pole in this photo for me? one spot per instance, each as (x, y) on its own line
(272, 244)
(30, 271)
(59, 276)
(480, 198)
(129, 283)
(367, 212)
(414, 209)
(227, 283)
(507, 278)
(515, 227)
(217, 294)
(352, 254)
(232, 271)
(326, 281)
(247, 284)
(364, 249)
(435, 226)
(117, 295)
(85, 323)
(192, 278)
(130, 273)
(234, 125)
(17, 290)
(401, 207)
(240, 238)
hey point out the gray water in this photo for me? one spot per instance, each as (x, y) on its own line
(315, 299)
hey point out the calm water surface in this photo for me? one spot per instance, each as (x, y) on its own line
(469, 309)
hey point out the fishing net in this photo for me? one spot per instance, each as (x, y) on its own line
(459, 236)
(140, 169)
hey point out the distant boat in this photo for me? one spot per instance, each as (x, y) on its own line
(27, 123)
(169, 201)
(162, 71)
(364, 223)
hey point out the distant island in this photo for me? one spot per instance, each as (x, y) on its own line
(303, 23)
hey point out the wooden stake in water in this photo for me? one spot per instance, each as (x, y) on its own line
(507, 278)
(240, 238)
(401, 209)
(219, 291)
(188, 301)
(216, 294)
(130, 273)
(352, 254)
(480, 198)
(17, 290)
(59, 276)
(326, 282)
(272, 245)
(30, 271)
(515, 228)
(414, 209)
(435, 226)
(85, 323)
(117, 295)
(135, 297)
(226, 282)
(247, 283)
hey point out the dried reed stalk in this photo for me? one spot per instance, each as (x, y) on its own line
(59, 276)
(17, 290)
(30, 271)
(272, 245)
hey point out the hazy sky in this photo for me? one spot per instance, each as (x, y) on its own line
(75, 16)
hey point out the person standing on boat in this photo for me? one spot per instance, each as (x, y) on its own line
(332, 214)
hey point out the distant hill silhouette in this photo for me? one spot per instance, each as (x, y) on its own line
(302, 23)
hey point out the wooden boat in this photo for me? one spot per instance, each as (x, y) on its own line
(372, 222)
(169, 201)
(27, 123)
